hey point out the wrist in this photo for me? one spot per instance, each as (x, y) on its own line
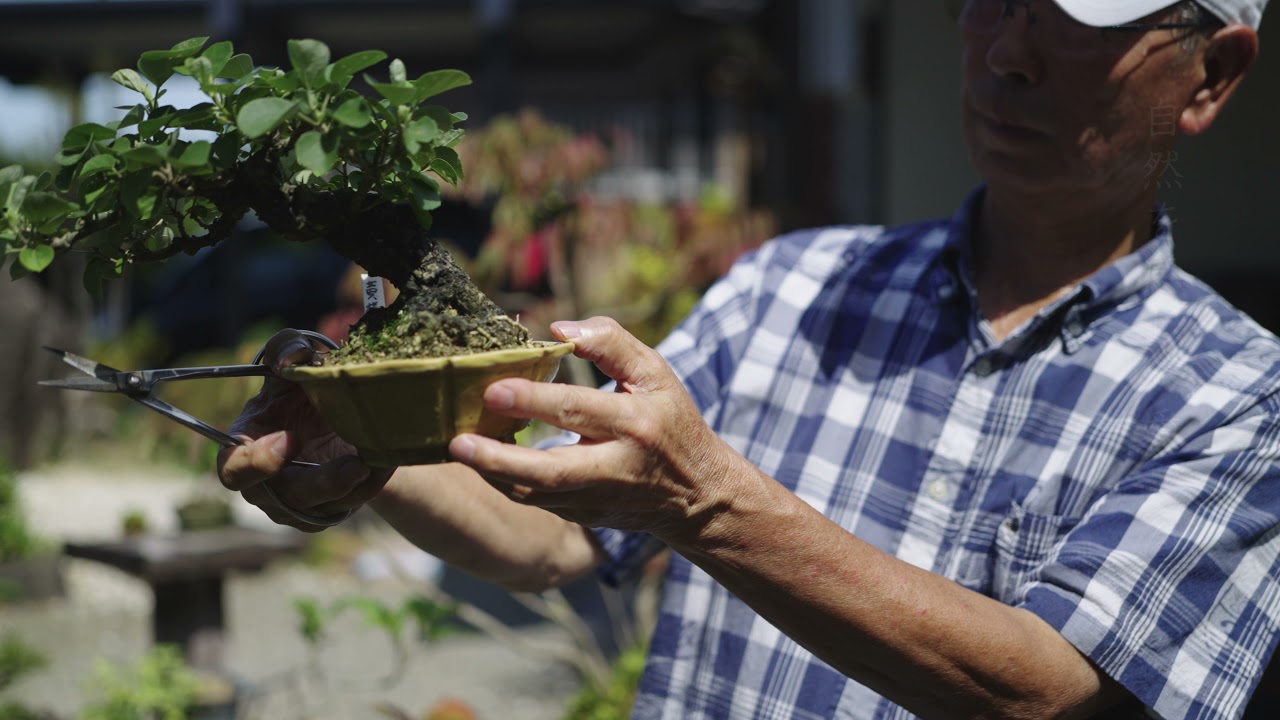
(731, 492)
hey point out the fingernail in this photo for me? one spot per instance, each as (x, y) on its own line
(499, 397)
(278, 442)
(567, 330)
(462, 448)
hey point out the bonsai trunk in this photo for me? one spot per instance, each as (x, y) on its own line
(440, 311)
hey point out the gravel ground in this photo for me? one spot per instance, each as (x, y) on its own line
(105, 615)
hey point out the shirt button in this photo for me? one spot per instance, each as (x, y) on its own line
(938, 490)
(984, 367)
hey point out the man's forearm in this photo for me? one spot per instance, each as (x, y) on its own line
(450, 512)
(921, 640)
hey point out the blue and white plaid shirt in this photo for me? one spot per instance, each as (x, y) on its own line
(1112, 466)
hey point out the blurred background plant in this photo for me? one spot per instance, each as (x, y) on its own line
(160, 686)
(16, 539)
(563, 244)
(17, 660)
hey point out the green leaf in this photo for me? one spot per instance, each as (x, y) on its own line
(398, 74)
(138, 194)
(18, 195)
(236, 67)
(159, 65)
(442, 116)
(132, 117)
(146, 156)
(261, 116)
(36, 259)
(68, 157)
(10, 174)
(198, 117)
(309, 58)
(83, 135)
(189, 47)
(151, 126)
(312, 620)
(354, 113)
(40, 207)
(194, 155)
(198, 67)
(346, 68)
(94, 188)
(398, 94)
(426, 197)
(98, 270)
(448, 165)
(313, 154)
(132, 80)
(159, 239)
(285, 83)
(17, 270)
(218, 54)
(420, 132)
(438, 81)
(226, 150)
(97, 164)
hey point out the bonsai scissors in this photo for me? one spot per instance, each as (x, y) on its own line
(138, 385)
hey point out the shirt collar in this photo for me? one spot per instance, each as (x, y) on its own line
(1123, 282)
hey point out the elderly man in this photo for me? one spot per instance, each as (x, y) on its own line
(1013, 463)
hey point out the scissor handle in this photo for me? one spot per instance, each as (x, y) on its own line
(257, 359)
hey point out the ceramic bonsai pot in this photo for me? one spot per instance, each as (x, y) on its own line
(405, 412)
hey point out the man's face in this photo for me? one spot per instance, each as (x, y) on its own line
(1052, 105)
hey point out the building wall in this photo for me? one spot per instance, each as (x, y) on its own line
(1230, 177)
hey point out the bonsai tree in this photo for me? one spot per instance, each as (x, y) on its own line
(312, 157)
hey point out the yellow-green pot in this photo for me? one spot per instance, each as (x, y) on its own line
(405, 412)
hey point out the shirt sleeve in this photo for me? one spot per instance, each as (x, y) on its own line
(1171, 582)
(703, 350)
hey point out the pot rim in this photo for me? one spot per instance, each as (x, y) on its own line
(537, 349)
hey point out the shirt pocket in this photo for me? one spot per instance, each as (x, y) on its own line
(1023, 541)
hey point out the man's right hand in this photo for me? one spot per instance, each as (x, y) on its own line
(279, 425)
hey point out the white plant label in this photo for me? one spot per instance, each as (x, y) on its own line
(375, 295)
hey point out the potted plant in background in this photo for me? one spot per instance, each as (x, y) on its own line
(314, 159)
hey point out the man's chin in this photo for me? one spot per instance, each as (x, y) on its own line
(1018, 173)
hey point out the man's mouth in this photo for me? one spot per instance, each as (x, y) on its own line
(1008, 130)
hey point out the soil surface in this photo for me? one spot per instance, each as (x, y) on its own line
(440, 312)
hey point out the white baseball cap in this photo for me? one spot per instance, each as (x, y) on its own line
(1102, 13)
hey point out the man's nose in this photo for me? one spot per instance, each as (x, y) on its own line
(1012, 52)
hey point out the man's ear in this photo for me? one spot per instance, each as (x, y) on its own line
(1226, 59)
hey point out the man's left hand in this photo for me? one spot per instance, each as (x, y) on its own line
(647, 460)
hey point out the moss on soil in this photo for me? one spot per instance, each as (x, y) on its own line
(440, 312)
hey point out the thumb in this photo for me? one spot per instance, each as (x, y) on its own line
(617, 353)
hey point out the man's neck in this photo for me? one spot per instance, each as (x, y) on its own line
(1029, 251)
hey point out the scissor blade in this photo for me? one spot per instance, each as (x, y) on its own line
(85, 365)
(82, 383)
(183, 418)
